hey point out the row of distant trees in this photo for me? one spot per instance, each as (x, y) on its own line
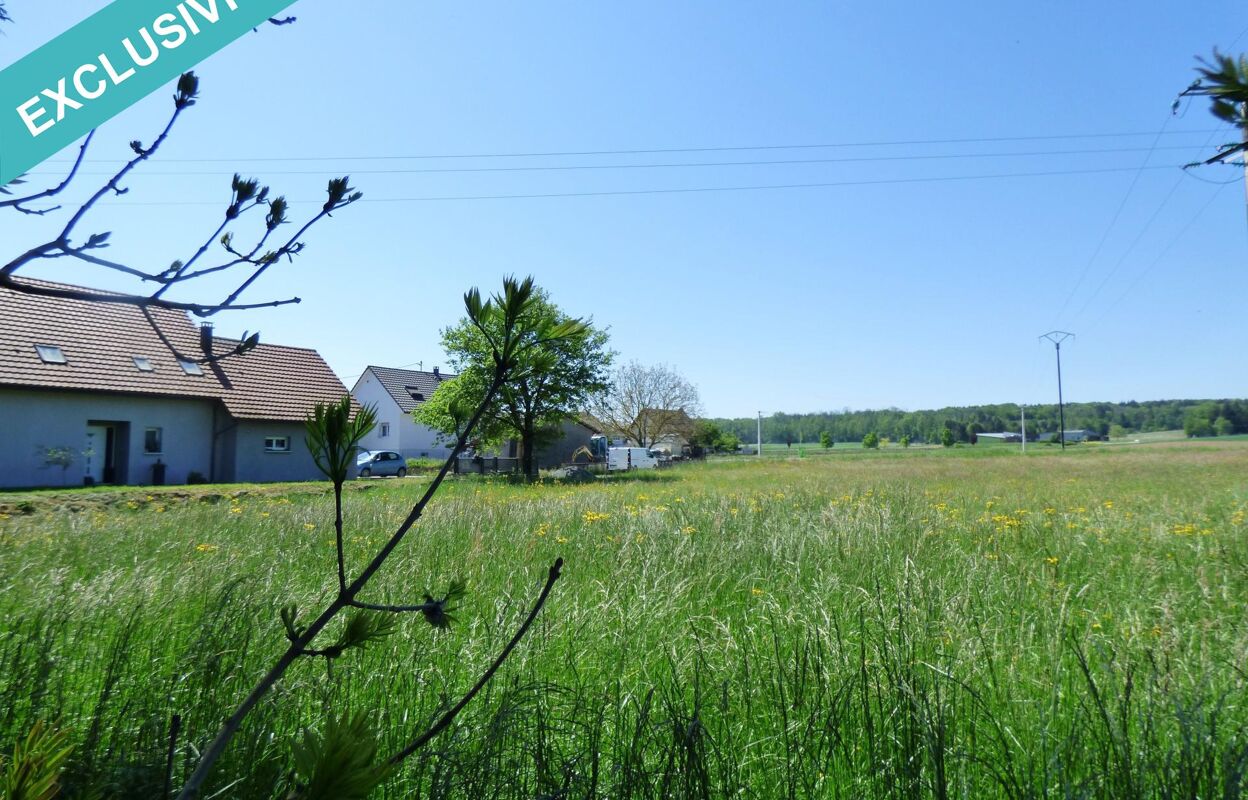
(1195, 417)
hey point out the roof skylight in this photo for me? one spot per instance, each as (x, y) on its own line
(190, 367)
(144, 364)
(51, 354)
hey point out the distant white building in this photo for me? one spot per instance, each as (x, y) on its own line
(396, 393)
(1004, 436)
(1072, 435)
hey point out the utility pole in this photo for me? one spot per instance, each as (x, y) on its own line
(1057, 337)
(760, 434)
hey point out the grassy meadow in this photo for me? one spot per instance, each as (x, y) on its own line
(931, 623)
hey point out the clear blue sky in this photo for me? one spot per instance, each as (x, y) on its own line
(898, 287)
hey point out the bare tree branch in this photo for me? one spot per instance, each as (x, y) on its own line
(449, 716)
(197, 309)
(20, 202)
(246, 195)
(647, 403)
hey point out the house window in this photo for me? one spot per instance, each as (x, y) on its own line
(385, 429)
(277, 444)
(417, 395)
(51, 354)
(153, 441)
(143, 364)
(190, 367)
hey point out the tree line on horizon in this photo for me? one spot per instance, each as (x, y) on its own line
(1194, 417)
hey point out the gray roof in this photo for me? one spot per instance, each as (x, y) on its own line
(403, 383)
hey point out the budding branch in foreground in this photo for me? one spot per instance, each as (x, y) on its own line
(333, 434)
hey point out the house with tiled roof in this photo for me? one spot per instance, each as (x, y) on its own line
(395, 393)
(98, 392)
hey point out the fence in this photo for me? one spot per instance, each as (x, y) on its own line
(485, 464)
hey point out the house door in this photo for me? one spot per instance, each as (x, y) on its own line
(95, 454)
(108, 451)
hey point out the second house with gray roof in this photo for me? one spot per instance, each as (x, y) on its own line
(396, 393)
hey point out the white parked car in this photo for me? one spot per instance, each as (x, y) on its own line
(376, 463)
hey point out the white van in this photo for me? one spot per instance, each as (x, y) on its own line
(626, 458)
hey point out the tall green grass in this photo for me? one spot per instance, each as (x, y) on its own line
(926, 625)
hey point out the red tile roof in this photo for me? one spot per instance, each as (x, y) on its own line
(101, 340)
(275, 382)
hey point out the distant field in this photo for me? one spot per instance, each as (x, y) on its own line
(946, 622)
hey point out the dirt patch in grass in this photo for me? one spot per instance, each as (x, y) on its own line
(76, 501)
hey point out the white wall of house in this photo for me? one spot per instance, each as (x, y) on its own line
(395, 430)
(31, 421)
(252, 457)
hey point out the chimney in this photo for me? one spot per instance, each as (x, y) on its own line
(205, 338)
(437, 375)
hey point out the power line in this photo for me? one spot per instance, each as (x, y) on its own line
(672, 165)
(1131, 248)
(648, 151)
(1160, 255)
(1148, 224)
(689, 190)
(1135, 179)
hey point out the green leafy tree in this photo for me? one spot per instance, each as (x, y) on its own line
(705, 434)
(946, 437)
(1197, 427)
(825, 440)
(871, 441)
(552, 379)
(1223, 427)
(727, 443)
(1198, 420)
(904, 441)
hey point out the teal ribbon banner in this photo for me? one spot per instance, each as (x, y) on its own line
(105, 64)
